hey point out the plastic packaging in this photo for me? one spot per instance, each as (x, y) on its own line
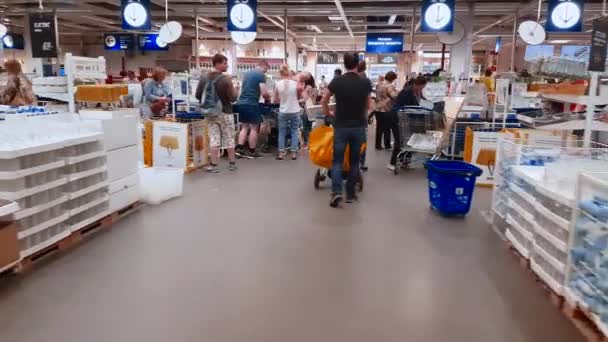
(158, 185)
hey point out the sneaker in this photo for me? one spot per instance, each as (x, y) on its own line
(244, 155)
(351, 199)
(391, 167)
(335, 201)
(294, 156)
(364, 168)
(232, 167)
(281, 156)
(255, 155)
(212, 169)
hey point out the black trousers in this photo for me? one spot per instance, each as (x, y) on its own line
(383, 129)
(393, 123)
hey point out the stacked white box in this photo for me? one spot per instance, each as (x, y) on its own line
(87, 182)
(120, 128)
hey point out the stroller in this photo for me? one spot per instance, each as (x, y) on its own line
(321, 154)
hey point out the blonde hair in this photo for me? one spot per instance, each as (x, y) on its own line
(158, 73)
(284, 71)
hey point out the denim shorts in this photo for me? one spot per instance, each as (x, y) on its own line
(249, 114)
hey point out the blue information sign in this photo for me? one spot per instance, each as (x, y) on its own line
(242, 15)
(150, 42)
(437, 16)
(118, 41)
(135, 14)
(384, 43)
(565, 16)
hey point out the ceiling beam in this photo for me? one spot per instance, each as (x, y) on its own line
(344, 18)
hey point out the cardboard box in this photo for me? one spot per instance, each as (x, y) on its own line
(9, 244)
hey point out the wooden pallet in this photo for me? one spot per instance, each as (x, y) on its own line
(581, 319)
(76, 238)
(524, 263)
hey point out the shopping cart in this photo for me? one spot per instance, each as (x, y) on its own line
(421, 132)
(321, 155)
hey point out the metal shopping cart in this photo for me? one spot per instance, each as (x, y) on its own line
(421, 132)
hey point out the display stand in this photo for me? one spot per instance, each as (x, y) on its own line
(76, 68)
(586, 278)
(180, 145)
(534, 195)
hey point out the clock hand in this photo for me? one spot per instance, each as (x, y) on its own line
(439, 19)
(437, 16)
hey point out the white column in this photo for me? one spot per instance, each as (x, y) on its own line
(461, 54)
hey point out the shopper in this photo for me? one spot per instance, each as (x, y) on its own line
(322, 84)
(386, 94)
(132, 78)
(18, 89)
(337, 73)
(156, 93)
(220, 128)
(361, 70)
(488, 80)
(308, 99)
(286, 94)
(250, 113)
(353, 100)
(409, 96)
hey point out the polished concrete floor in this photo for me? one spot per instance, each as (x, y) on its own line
(258, 256)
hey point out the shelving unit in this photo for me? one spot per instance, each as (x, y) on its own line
(76, 69)
(587, 276)
(538, 207)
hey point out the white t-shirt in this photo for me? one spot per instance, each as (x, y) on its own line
(288, 93)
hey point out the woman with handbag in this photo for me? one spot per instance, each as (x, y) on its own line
(386, 94)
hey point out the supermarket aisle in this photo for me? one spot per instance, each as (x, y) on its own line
(260, 257)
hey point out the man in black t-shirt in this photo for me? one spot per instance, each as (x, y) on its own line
(352, 93)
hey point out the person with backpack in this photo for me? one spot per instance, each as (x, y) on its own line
(216, 95)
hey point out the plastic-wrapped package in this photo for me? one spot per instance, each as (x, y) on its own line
(157, 185)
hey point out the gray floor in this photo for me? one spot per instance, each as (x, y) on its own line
(258, 256)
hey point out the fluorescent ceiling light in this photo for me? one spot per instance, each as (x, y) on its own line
(559, 41)
(392, 19)
(335, 18)
(316, 28)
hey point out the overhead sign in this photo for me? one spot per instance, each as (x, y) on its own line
(599, 37)
(387, 59)
(498, 44)
(384, 43)
(242, 15)
(43, 35)
(565, 16)
(118, 41)
(135, 14)
(437, 16)
(150, 42)
(13, 41)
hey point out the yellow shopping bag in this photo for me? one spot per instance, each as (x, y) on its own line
(321, 148)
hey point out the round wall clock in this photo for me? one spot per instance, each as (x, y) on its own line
(437, 16)
(242, 16)
(135, 14)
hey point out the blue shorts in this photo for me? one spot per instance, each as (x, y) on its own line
(249, 114)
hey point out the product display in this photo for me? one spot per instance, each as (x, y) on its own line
(535, 195)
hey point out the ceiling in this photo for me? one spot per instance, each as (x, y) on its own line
(311, 23)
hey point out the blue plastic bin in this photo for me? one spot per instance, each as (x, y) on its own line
(451, 185)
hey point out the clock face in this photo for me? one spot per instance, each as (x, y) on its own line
(135, 14)
(242, 16)
(437, 16)
(532, 32)
(110, 41)
(161, 43)
(565, 15)
(3, 30)
(8, 41)
(243, 38)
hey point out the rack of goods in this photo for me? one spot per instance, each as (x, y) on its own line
(79, 71)
(587, 286)
(122, 138)
(9, 245)
(534, 197)
(44, 174)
